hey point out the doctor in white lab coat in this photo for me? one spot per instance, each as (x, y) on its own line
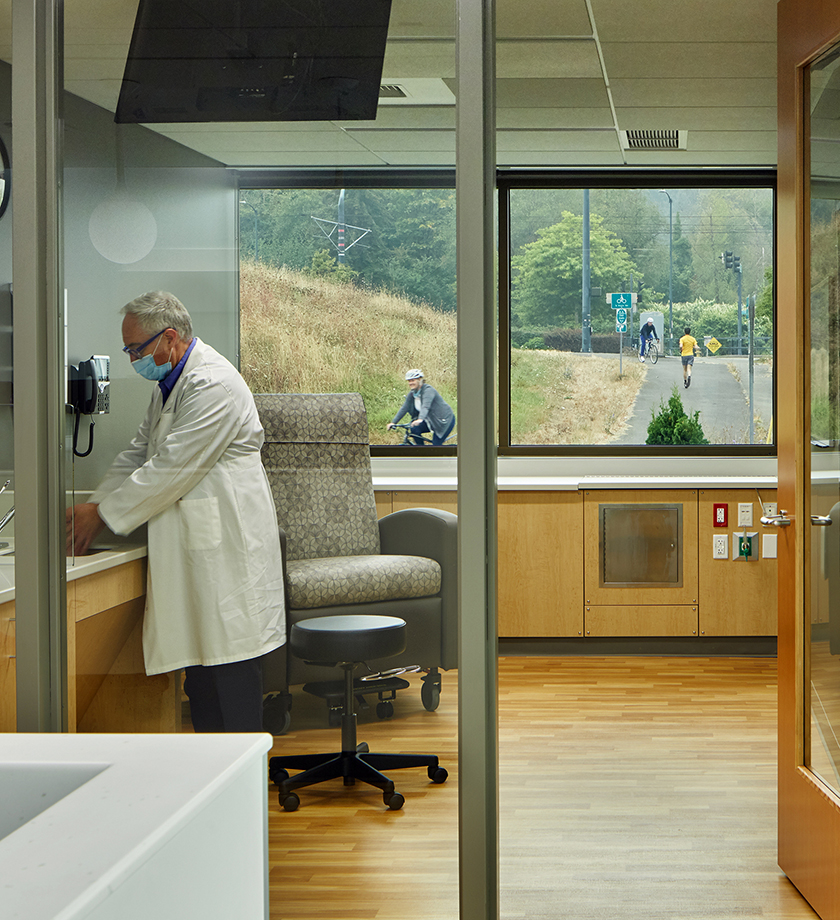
(215, 598)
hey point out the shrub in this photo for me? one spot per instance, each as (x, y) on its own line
(673, 426)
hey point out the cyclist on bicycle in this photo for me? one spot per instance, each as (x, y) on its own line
(429, 411)
(646, 333)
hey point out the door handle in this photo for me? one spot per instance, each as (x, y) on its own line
(820, 520)
(776, 520)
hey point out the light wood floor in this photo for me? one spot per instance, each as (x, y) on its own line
(629, 788)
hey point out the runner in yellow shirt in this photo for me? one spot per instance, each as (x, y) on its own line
(688, 347)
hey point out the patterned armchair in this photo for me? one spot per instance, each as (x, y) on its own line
(339, 559)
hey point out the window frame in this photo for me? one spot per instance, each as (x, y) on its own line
(509, 180)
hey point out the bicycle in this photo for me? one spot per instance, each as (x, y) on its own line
(653, 351)
(408, 430)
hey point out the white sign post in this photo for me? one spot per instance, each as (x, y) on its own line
(621, 303)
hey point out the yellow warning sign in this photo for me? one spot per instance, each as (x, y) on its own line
(713, 345)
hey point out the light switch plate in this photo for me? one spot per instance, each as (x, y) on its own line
(745, 514)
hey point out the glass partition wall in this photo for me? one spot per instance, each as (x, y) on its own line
(332, 288)
(7, 443)
(823, 636)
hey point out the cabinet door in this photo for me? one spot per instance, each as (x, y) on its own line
(540, 580)
(738, 598)
(641, 547)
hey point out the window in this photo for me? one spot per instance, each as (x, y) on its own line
(346, 289)
(586, 261)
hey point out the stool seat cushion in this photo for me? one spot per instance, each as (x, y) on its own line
(347, 638)
(334, 580)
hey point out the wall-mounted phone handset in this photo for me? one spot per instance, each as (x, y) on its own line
(89, 393)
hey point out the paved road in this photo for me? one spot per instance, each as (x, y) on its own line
(721, 399)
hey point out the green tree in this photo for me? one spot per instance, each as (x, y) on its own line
(325, 265)
(673, 426)
(547, 273)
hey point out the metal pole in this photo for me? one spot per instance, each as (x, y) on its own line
(40, 572)
(670, 271)
(752, 366)
(475, 179)
(341, 227)
(586, 307)
(740, 324)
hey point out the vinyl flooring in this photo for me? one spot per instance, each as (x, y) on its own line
(630, 789)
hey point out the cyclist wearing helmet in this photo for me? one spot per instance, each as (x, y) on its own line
(429, 411)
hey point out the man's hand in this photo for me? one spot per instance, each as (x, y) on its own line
(83, 526)
(416, 421)
(389, 426)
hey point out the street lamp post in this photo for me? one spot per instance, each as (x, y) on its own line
(256, 229)
(670, 270)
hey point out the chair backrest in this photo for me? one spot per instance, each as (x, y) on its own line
(317, 457)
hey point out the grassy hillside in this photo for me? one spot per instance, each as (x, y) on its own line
(308, 335)
(301, 334)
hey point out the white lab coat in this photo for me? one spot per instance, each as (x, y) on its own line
(193, 472)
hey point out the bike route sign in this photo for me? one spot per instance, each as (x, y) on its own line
(617, 301)
(620, 316)
(621, 327)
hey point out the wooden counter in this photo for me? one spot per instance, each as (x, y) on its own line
(107, 687)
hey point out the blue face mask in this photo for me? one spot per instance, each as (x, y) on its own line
(147, 368)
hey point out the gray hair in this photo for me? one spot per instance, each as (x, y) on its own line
(159, 310)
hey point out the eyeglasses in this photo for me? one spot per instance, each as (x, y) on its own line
(134, 351)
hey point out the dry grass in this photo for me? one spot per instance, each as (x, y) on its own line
(301, 334)
(583, 399)
(308, 335)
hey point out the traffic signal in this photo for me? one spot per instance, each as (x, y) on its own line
(727, 259)
(736, 263)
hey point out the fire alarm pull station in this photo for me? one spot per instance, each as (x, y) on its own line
(721, 514)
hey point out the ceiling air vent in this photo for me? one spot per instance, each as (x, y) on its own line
(653, 140)
(391, 91)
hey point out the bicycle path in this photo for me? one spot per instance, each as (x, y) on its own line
(714, 392)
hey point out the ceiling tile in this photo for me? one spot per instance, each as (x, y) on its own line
(547, 59)
(536, 18)
(678, 61)
(687, 93)
(686, 21)
(561, 94)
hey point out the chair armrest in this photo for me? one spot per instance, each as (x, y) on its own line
(434, 534)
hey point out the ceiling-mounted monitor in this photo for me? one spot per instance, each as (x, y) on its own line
(254, 60)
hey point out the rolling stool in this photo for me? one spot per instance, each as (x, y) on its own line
(348, 641)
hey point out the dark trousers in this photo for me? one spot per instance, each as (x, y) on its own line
(423, 427)
(226, 697)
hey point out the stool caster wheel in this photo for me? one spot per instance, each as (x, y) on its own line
(394, 800)
(289, 802)
(384, 710)
(277, 775)
(363, 748)
(437, 774)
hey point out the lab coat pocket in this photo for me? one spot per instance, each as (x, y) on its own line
(201, 523)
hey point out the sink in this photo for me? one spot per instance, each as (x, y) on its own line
(29, 789)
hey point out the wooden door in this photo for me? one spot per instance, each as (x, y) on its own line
(808, 299)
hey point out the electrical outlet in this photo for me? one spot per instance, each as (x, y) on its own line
(745, 514)
(720, 546)
(771, 508)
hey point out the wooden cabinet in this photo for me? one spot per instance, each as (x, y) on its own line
(107, 687)
(737, 598)
(540, 567)
(549, 583)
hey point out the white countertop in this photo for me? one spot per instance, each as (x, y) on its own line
(77, 567)
(113, 802)
(572, 473)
